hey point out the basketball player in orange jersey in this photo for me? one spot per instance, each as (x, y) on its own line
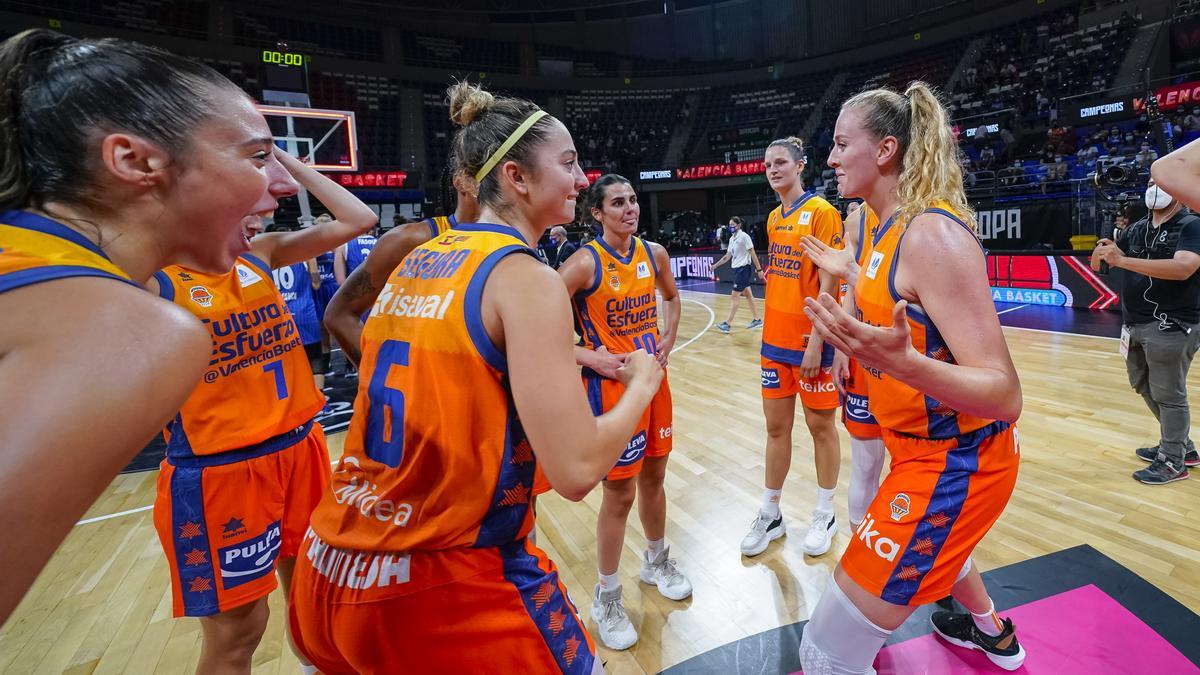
(115, 159)
(246, 462)
(941, 384)
(795, 358)
(613, 281)
(866, 442)
(419, 554)
(355, 297)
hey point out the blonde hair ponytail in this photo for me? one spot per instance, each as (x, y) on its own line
(931, 171)
(929, 167)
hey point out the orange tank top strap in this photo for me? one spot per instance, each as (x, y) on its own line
(897, 406)
(34, 249)
(439, 224)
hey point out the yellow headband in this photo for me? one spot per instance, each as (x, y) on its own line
(508, 144)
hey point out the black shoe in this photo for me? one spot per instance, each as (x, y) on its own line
(1190, 458)
(958, 628)
(1160, 472)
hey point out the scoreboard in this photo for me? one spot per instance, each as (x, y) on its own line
(284, 74)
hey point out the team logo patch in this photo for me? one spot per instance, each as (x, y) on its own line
(873, 266)
(805, 217)
(614, 282)
(200, 296)
(251, 559)
(900, 505)
(770, 378)
(857, 408)
(643, 270)
(247, 276)
(634, 451)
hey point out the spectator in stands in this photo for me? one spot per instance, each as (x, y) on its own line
(1013, 176)
(1144, 157)
(1114, 138)
(1128, 147)
(1192, 121)
(1087, 155)
(561, 247)
(987, 158)
(1056, 170)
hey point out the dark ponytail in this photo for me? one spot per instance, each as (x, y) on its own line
(60, 94)
(23, 58)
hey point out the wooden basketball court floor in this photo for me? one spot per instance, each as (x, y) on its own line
(103, 604)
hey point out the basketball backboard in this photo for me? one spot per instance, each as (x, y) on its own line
(328, 139)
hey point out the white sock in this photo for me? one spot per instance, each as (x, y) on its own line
(770, 504)
(825, 499)
(308, 670)
(609, 581)
(655, 546)
(988, 622)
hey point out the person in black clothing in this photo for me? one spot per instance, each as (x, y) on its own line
(1160, 305)
(561, 247)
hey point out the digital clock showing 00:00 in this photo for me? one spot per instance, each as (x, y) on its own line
(283, 58)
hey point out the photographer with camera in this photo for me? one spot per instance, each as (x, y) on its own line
(1160, 306)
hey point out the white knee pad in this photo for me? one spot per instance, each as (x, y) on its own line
(838, 639)
(966, 569)
(866, 463)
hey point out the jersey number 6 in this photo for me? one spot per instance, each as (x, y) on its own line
(385, 418)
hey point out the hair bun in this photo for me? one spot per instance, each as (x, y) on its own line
(467, 102)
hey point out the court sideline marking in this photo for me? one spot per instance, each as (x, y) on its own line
(712, 317)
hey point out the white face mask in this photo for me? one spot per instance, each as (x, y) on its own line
(1156, 199)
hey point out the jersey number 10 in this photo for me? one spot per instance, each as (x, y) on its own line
(646, 342)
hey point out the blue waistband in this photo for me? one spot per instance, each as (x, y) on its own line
(271, 445)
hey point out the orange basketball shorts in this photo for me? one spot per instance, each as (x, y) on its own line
(224, 520)
(783, 380)
(856, 412)
(651, 438)
(466, 610)
(934, 507)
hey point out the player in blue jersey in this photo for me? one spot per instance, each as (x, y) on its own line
(353, 254)
(299, 283)
(329, 286)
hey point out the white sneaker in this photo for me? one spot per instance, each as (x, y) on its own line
(820, 533)
(661, 572)
(616, 630)
(763, 531)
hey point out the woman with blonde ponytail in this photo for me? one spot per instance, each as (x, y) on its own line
(941, 385)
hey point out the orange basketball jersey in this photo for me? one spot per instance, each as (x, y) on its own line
(259, 383)
(792, 276)
(620, 309)
(435, 457)
(897, 406)
(439, 224)
(34, 249)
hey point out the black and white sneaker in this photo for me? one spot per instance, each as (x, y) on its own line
(958, 628)
(763, 530)
(1190, 458)
(1160, 472)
